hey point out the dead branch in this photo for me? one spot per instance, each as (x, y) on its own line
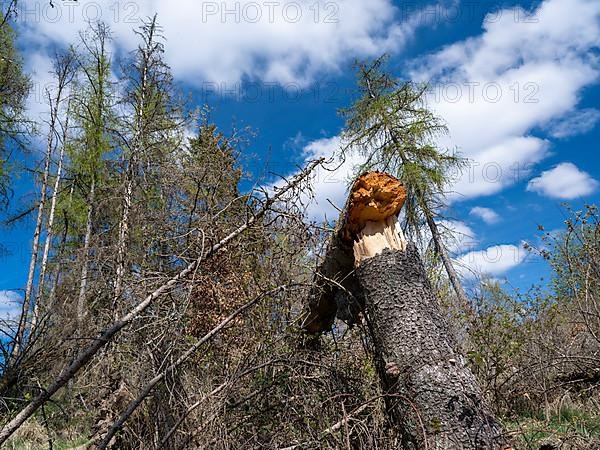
(106, 336)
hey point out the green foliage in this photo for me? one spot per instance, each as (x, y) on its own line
(392, 126)
(574, 254)
(14, 88)
(91, 117)
(569, 428)
(536, 354)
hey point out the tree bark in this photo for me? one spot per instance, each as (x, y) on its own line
(123, 233)
(434, 398)
(334, 282)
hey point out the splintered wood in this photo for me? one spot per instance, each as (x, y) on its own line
(371, 222)
(366, 226)
(377, 236)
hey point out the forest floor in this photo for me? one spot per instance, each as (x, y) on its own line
(572, 429)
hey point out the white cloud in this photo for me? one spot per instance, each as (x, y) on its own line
(330, 182)
(457, 235)
(565, 181)
(579, 122)
(222, 42)
(517, 76)
(10, 306)
(494, 89)
(495, 260)
(488, 215)
(39, 67)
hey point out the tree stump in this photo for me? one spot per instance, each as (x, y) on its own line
(432, 396)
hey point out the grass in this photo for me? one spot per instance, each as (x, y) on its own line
(33, 436)
(570, 428)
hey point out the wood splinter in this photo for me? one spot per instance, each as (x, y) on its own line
(431, 395)
(366, 226)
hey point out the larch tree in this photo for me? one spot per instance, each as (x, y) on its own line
(392, 126)
(93, 115)
(432, 397)
(14, 88)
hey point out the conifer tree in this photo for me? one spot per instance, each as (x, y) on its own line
(93, 116)
(14, 88)
(391, 125)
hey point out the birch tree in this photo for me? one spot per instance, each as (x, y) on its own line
(63, 74)
(66, 72)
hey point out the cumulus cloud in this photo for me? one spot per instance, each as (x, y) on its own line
(579, 122)
(39, 67)
(330, 182)
(493, 261)
(488, 215)
(565, 181)
(494, 89)
(525, 71)
(225, 41)
(457, 236)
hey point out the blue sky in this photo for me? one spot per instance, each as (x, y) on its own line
(516, 83)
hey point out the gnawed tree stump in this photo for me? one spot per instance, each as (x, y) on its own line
(374, 198)
(432, 396)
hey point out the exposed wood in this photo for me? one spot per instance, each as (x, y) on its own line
(375, 197)
(432, 396)
(377, 236)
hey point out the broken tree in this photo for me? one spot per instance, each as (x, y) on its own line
(431, 395)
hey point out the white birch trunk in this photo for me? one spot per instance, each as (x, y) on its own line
(20, 335)
(49, 228)
(81, 306)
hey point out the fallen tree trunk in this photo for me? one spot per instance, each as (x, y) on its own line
(420, 366)
(432, 396)
(105, 336)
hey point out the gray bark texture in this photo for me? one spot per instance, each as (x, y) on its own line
(432, 395)
(335, 289)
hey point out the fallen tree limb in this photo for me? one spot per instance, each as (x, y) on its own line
(108, 333)
(134, 404)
